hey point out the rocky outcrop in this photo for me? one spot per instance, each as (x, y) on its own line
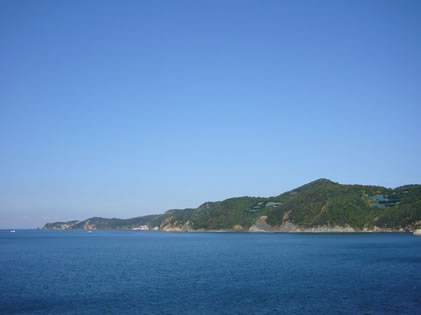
(88, 226)
(261, 225)
(286, 226)
(172, 225)
(60, 225)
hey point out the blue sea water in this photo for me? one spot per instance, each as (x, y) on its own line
(145, 272)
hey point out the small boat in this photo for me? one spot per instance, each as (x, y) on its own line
(417, 232)
(12, 231)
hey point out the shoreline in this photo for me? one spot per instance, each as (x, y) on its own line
(309, 231)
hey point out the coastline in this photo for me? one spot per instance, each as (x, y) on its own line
(313, 230)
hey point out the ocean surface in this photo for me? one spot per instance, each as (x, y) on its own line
(145, 272)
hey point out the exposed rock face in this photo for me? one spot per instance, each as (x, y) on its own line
(169, 225)
(287, 226)
(88, 226)
(261, 225)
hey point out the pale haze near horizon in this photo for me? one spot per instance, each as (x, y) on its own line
(122, 109)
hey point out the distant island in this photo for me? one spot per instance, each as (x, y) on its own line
(319, 206)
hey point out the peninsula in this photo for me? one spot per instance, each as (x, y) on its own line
(319, 206)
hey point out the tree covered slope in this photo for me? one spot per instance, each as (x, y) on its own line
(319, 204)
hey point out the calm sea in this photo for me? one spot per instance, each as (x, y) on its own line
(129, 272)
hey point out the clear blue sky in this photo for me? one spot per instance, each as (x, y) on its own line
(126, 108)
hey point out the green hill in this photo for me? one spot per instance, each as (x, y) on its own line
(319, 206)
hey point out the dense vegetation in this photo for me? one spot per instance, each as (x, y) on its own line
(325, 202)
(319, 203)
